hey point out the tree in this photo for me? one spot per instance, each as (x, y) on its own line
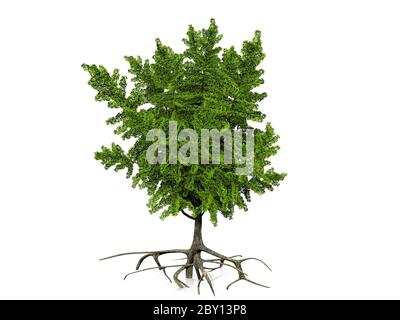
(204, 87)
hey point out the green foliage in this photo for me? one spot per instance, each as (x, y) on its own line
(203, 87)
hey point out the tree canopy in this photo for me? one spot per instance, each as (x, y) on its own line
(205, 87)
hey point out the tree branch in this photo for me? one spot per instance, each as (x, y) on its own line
(187, 215)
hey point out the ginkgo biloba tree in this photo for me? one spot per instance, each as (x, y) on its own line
(205, 87)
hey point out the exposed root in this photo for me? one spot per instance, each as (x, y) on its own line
(204, 274)
(161, 268)
(180, 283)
(152, 268)
(198, 284)
(147, 252)
(259, 260)
(221, 264)
(207, 260)
(248, 280)
(194, 260)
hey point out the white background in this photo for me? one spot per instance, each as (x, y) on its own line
(332, 74)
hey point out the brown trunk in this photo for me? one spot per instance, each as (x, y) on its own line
(197, 245)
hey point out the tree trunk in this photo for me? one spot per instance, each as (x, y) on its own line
(197, 245)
